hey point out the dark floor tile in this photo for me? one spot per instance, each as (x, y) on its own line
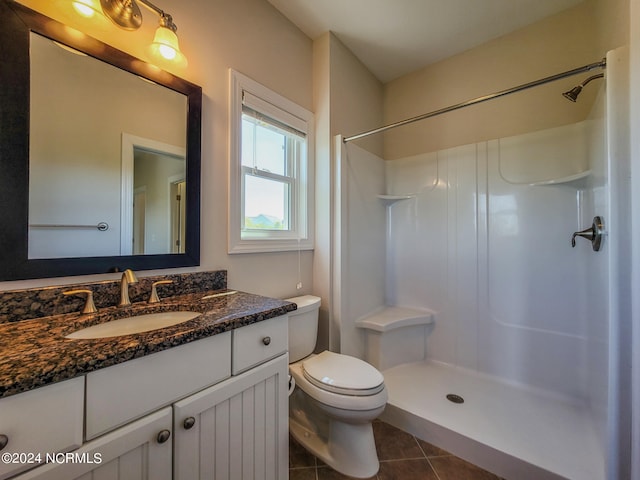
(415, 469)
(454, 468)
(394, 444)
(298, 456)
(308, 473)
(401, 457)
(430, 450)
(327, 473)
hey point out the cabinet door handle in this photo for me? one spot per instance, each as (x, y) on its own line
(4, 440)
(163, 436)
(188, 423)
(266, 340)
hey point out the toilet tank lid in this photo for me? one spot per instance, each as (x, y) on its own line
(305, 303)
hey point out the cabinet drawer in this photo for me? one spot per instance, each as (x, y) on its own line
(257, 343)
(116, 395)
(44, 420)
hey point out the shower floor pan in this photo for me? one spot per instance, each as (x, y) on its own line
(514, 432)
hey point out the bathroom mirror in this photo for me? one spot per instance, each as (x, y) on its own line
(100, 155)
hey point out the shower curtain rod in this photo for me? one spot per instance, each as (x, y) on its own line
(474, 101)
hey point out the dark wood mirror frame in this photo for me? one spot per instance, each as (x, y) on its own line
(17, 23)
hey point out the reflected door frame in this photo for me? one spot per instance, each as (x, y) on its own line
(139, 219)
(129, 144)
(177, 225)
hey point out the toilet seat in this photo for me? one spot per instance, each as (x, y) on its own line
(342, 374)
(337, 400)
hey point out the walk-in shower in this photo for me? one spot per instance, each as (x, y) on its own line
(480, 235)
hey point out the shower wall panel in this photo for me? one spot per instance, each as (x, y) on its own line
(491, 255)
(360, 262)
(595, 201)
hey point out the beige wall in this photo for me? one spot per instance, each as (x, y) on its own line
(324, 186)
(612, 24)
(356, 96)
(573, 38)
(347, 99)
(253, 38)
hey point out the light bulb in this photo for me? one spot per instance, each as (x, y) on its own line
(167, 52)
(87, 8)
(165, 45)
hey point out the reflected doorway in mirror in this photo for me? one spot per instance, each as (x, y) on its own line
(150, 172)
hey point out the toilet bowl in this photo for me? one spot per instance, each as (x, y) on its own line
(335, 399)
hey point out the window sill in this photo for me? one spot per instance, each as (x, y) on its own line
(267, 246)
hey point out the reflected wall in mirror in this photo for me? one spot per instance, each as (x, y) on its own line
(106, 149)
(80, 176)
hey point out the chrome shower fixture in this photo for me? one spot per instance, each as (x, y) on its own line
(575, 91)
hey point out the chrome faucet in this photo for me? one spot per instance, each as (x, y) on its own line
(128, 277)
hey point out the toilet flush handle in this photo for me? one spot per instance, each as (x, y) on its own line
(292, 384)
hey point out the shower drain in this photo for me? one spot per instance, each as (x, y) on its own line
(452, 397)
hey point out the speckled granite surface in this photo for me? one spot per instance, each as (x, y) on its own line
(18, 305)
(34, 353)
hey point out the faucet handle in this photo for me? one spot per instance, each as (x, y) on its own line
(154, 291)
(89, 306)
(593, 234)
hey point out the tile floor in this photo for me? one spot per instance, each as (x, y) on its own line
(401, 455)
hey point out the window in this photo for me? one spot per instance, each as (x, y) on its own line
(271, 170)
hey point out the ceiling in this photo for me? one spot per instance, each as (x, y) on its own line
(395, 37)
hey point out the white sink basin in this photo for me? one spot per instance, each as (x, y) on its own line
(137, 324)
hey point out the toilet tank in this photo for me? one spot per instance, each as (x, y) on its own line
(303, 327)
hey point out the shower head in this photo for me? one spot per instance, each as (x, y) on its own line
(575, 91)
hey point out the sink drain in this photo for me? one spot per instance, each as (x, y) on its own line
(452, 397)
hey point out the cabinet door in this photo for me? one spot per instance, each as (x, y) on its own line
(236, 430)
(132, 452)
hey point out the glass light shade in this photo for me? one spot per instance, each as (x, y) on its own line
(165, 46)
(87, 8)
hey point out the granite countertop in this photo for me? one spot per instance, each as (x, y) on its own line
(34, 353)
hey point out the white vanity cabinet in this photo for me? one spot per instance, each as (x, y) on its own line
(213, 409)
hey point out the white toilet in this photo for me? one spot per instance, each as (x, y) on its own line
(336, 397)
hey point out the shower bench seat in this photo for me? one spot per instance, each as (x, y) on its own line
(396, 335)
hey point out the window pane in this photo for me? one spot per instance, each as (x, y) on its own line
(248, 143)
(263, 146)
(265, 204)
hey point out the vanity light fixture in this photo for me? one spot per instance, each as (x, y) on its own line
(126, 14)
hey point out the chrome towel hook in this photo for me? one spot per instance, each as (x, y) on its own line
(593, 233)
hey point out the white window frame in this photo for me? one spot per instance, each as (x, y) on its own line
(300, 236)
